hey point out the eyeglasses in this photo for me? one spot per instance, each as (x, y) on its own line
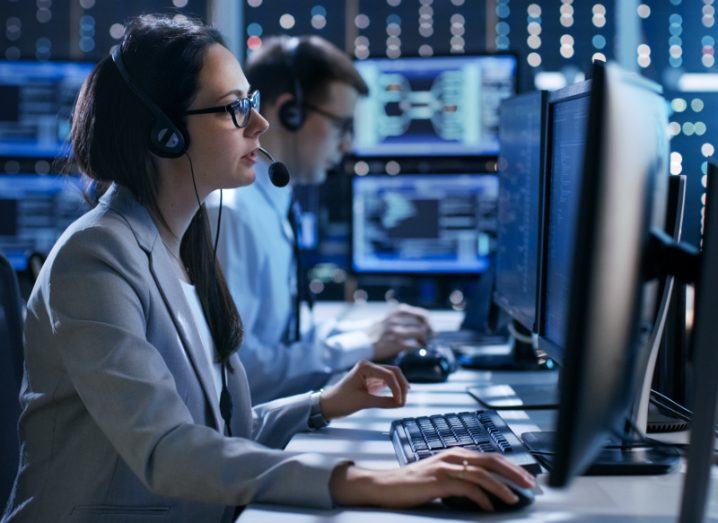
(240, 109)
(345, 126)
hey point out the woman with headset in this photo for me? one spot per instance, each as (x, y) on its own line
(135, 403)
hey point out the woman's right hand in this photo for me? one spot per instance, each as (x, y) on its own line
(455, 472)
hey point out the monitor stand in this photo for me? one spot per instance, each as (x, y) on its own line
(516, 396)
(518, 354)
(613, 460)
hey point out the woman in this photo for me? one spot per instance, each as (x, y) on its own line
(131, 333)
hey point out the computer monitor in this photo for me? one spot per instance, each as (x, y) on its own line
(595, 252)
(522, 121)
(423, 223)
(568, 112)
(438, 106)
(34, 211)
(38, 98)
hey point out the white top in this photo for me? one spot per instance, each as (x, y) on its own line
(200, 323)
(256, 254)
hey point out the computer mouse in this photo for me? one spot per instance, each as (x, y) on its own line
(526, 497)
(425, 365)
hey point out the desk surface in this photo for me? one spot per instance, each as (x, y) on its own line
(364, 438)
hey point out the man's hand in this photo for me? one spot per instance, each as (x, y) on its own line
(405, 328)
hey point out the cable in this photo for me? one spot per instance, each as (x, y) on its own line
(671, 411)
(519, 336)
(194, 182)
(657, 398)
(219, 223)
(225, 399)
(674, 408)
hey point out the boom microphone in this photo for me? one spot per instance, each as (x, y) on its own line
(278, 172)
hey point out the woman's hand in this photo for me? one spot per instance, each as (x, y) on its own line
(360, 387)
(455, 472)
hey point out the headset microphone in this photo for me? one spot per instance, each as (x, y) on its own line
(278, 172)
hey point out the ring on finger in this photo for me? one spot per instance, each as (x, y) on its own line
(464, 470)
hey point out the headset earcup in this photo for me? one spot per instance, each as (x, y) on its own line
(291, 116)
(167, 140)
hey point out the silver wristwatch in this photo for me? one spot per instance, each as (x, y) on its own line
(316, 418)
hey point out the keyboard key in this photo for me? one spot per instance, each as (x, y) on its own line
(419, 444)
(423, 455)
(469, 419)
(465, 440)
(451, 441)
(455, 422)
(435, 444)
(413, 430)
(461, 431)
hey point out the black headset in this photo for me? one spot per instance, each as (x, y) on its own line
(291, 112)
(166, 139)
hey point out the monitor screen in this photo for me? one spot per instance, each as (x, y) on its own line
(521, 131)
(567, 139)
(432, 106)
(34, 211)
(423, 223)
(37, 101)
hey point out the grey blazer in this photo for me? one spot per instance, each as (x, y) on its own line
(119, 419)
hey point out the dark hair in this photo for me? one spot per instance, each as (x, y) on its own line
(110, 140)
(317, 62)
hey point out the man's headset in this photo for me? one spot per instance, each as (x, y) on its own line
(291, 112)
(169, 140)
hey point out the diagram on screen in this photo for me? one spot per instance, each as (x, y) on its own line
(432, 106)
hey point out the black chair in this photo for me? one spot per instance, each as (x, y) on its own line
(11, 367)
(26, 279)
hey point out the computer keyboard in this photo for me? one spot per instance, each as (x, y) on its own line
(481, 431)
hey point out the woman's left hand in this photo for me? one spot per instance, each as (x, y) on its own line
(360, 388)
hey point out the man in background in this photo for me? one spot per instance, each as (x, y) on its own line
(309, 91)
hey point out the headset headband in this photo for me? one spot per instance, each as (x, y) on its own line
(166, 140)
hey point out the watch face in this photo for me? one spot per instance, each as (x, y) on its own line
(317, 421)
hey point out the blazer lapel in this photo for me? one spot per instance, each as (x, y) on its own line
(168, 284)
(121, 200)
(238, 383)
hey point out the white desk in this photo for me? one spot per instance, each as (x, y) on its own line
(364, 438)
